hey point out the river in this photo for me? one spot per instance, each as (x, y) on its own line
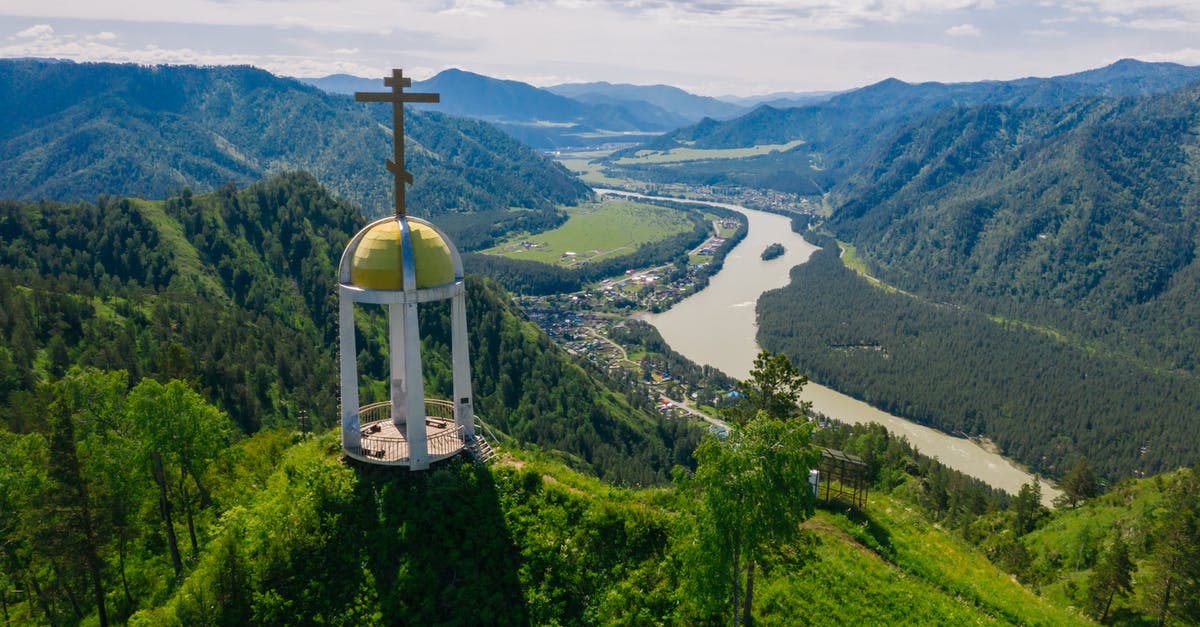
(717, 326)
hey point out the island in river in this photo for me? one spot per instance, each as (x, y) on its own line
(717, 326)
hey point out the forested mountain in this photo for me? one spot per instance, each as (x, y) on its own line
(1077, 218)
(1043, 401)
(75, 131)
(235, 291)
(126, 495)
(842, 132)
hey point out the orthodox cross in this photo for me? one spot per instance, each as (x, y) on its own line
(397, 97)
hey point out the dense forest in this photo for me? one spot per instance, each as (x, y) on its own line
(234, 292)
(1042, 400)
(1074, 218)
(149, 131)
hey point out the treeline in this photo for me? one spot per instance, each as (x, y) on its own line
(234, 292)
(1043, 401)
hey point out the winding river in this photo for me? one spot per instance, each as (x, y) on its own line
(717, 326)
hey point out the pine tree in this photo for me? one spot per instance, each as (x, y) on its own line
(1112, 577)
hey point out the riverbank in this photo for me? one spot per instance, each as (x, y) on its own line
(717, 327)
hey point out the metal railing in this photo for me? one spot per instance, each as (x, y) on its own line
(438, 413)
(389, 449)
(445, 444)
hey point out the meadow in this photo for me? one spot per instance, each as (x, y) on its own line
(676, 155)
(595, 231)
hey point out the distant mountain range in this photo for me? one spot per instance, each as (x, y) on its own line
(684, 104)
(841, 132)
(564, 116)
(150, 130)
(781, 99)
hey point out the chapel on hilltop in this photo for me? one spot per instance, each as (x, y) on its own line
(400, 262)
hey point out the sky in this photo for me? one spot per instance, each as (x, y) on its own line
(710, 47)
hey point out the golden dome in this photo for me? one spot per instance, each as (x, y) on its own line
(376, 263)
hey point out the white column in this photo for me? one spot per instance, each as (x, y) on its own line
(418, 447)
(464, 413)
(351, 435)
(396, 359)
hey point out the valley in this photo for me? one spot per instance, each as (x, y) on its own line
(718, 327)
(1008, 261)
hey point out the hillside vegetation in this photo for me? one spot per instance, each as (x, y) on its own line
(1075, 218)
(235, 292)
(529, 541)
(150, 131)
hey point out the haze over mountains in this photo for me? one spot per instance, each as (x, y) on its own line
(559, 117)
(842, 131)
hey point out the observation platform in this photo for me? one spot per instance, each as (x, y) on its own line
(384, 444)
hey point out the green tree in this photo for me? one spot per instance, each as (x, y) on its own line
(182, 434)
(22, 480)
(1175, 557)
(1028, 507)
(752, 486)
(106, 443)
(773, 388)
(69, 527)
(1079, 484)
(1112, 577)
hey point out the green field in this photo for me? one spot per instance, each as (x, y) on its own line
(589, 171)
(676, 155)
(595, 231)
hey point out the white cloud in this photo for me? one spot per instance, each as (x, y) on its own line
(1186, 56)
(44, 42)
(964, 30)
(1168, 24)
(39, 31)
(104, 36)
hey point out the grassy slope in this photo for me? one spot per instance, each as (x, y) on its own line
(675, 155)
(556, 547)
(1064, 550)
(187, 258)
(889, 565)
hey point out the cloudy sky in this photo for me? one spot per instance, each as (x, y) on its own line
(712, 47)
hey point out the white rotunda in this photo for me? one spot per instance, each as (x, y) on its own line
(400, 262)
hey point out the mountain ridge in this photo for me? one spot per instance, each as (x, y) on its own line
(151, 130)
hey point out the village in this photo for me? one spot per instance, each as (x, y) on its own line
(594, 323)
